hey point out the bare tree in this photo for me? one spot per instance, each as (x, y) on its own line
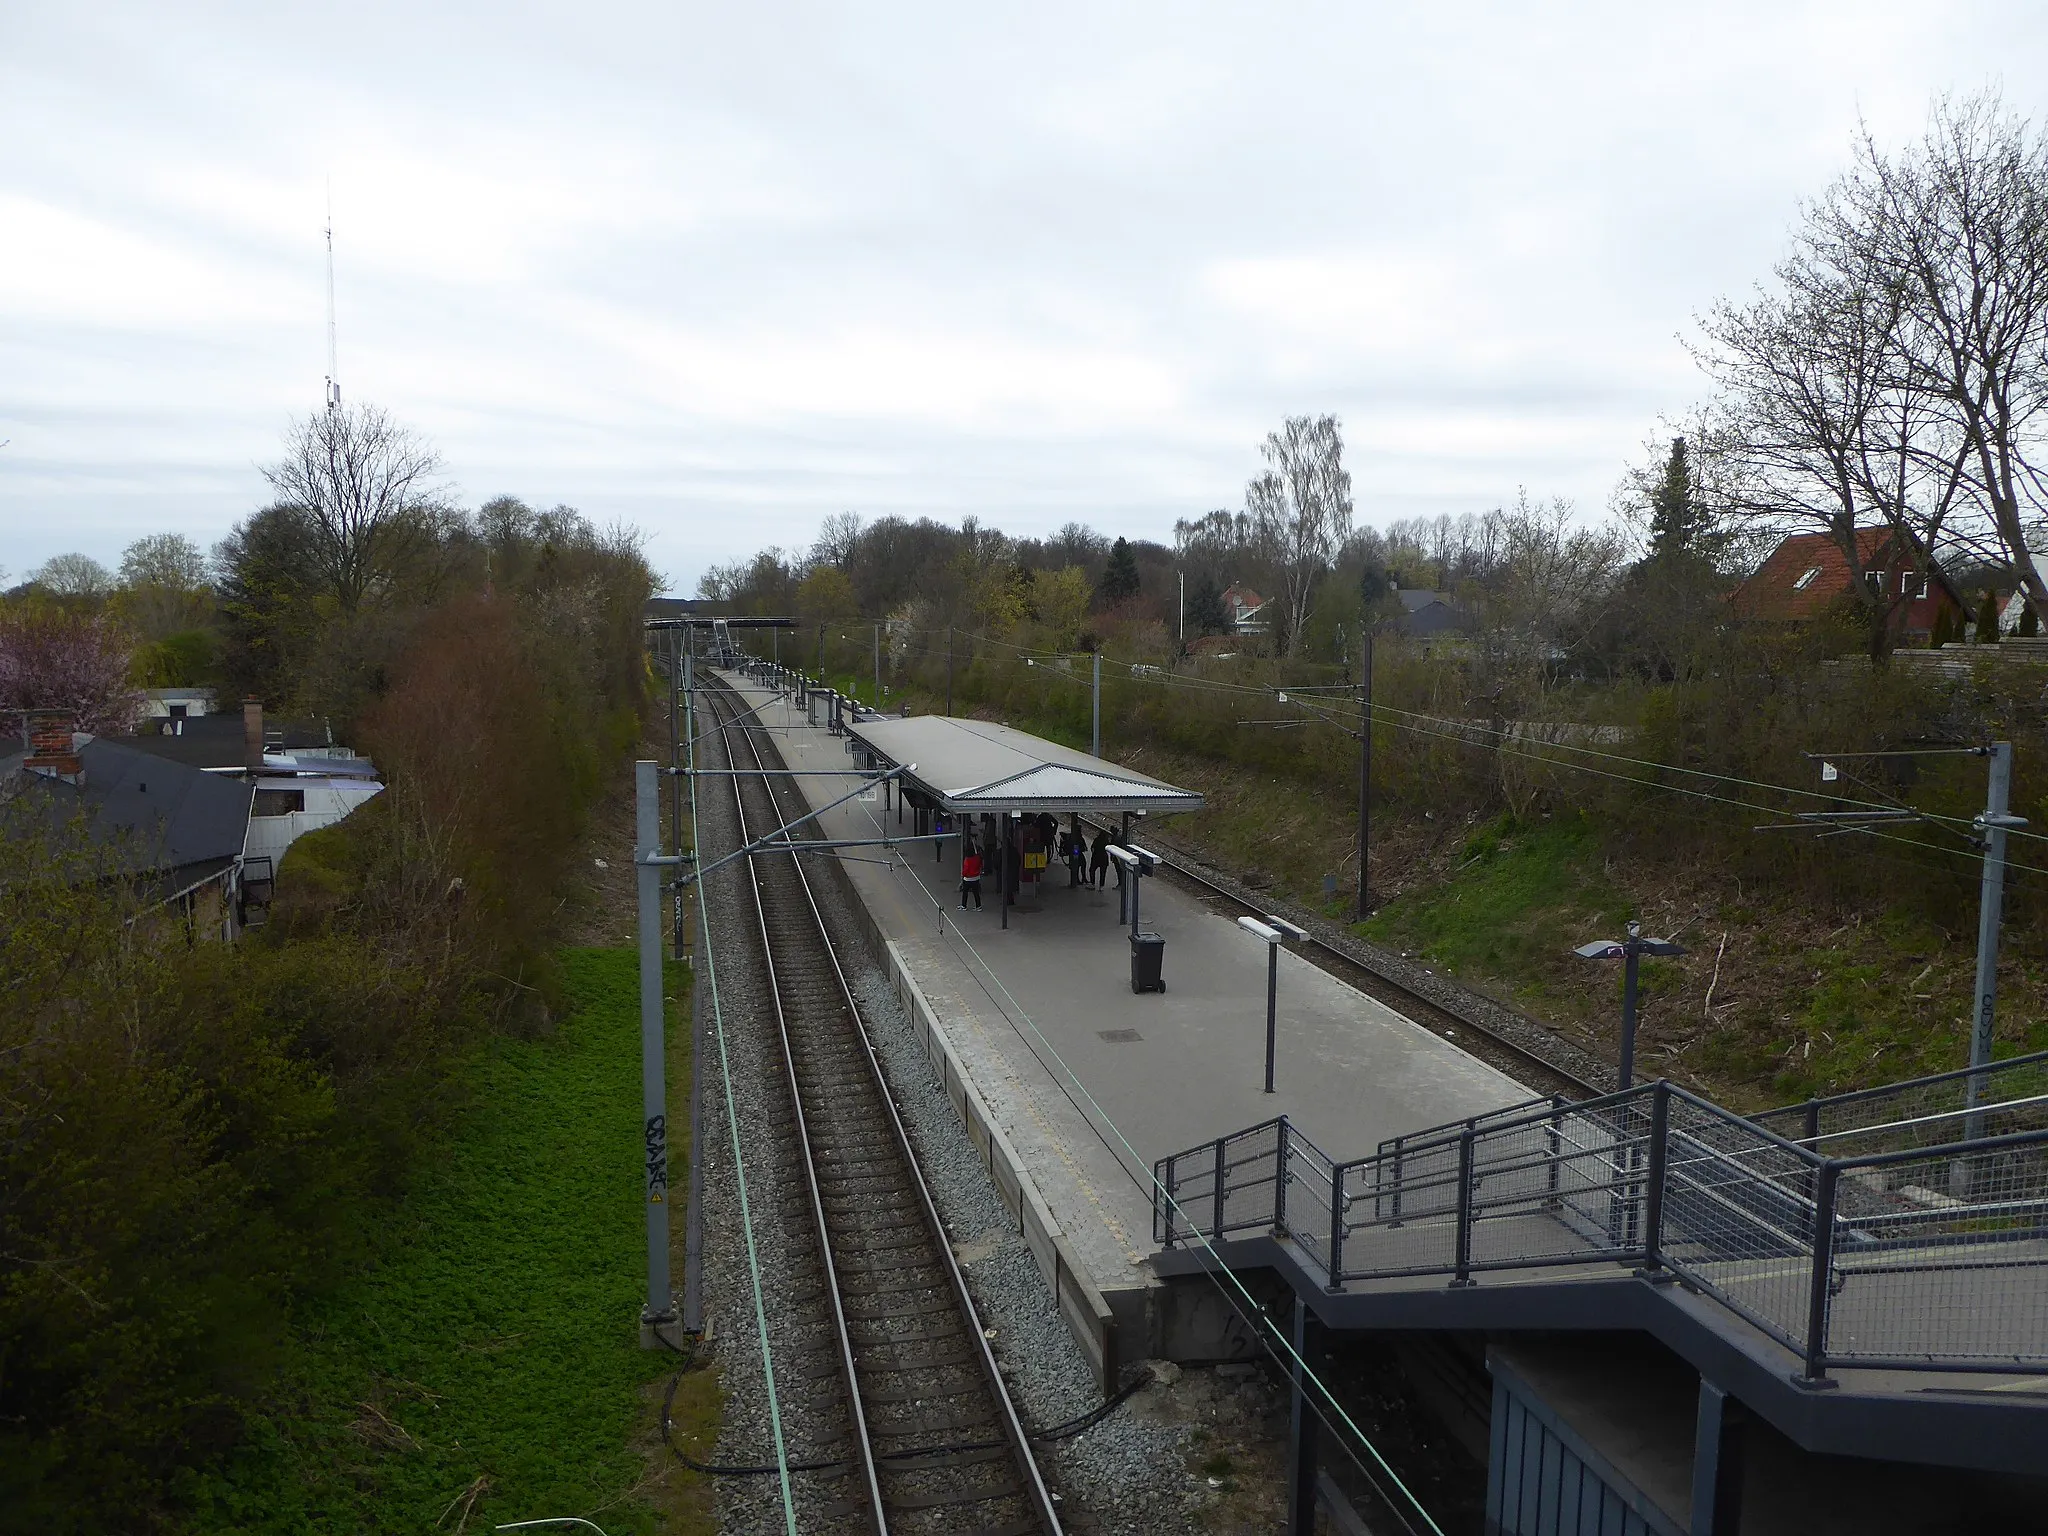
(1897, 373)
(838, 537)
(78, 576)
(366, 484)
(1302, 510)
(1962, 221)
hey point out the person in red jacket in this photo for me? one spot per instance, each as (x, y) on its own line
(970, 878)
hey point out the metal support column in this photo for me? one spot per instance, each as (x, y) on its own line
(1716, 1464)
(1627, 1076)
(659, 1311)
(1364, 775)
(677, 638)
(1301, 1440)
(1990, 908)
(1095, 735)
(949, 671)
(1272, 1005)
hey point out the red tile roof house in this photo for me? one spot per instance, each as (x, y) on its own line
(1809, 574)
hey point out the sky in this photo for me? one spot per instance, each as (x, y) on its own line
(721, 271)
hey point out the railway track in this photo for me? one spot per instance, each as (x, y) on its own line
(932, 1442)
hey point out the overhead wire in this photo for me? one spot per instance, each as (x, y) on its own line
(1464, 732)
(1152, 1187)
(746, 1214)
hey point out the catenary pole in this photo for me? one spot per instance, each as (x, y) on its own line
(1364, 774)
(878, 669)
(949, 671)
(659, 1311)
(1095, 736)
(1990, 908)
(675, 796)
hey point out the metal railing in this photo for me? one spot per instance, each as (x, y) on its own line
(1995, 1100)
(1915, 1257)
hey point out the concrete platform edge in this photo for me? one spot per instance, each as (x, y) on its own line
(1082, 1303)
(1099, 1321)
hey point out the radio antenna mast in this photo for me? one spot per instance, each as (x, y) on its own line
(333, 368)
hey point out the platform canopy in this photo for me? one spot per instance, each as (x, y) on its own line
(967, 766)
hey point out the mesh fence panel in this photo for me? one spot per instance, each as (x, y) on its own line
(1739, 1215)
(2011, 1096)
(1932, 1258)
(1943, 1258)
(1559, 1189)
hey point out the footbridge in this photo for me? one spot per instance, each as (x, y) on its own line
(1867, 1273)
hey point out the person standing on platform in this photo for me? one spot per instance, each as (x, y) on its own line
(970, 879)
(1077, 859)
(1098, 861)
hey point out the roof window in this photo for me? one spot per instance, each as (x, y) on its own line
(1807, 580)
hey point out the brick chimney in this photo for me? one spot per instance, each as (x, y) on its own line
(252, 735)
(52, 751)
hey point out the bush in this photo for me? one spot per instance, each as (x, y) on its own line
(195, 1137)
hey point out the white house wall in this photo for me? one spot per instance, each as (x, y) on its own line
(326, 803)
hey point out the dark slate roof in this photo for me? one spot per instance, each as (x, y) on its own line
(184, 823)
(216, 741)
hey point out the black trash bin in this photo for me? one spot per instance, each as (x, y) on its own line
(1148, 953)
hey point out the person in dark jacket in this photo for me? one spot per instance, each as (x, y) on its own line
(1098, 861)
(1077, 858)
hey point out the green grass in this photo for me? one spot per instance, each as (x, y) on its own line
(494, 1347)
(1522, 899)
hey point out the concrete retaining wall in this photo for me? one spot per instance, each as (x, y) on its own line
(1085, 1308)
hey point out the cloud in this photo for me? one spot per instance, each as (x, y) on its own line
(728, 269)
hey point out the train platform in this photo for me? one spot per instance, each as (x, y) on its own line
(1073, 1084)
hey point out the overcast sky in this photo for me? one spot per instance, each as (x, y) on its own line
(723, 270)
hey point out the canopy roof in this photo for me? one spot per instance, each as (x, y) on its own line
(976, 765)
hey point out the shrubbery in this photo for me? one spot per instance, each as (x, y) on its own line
(195, 1135)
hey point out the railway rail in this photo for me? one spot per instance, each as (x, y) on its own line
(933, 1441)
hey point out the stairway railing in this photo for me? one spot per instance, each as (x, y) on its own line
(1911, 1258)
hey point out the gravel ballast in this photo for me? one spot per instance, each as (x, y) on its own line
(1127, 1475)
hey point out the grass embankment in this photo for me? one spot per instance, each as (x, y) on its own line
(486, 1367)
(1779, 995)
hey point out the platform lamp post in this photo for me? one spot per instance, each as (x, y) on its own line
(1628, 951)
(1275, 931)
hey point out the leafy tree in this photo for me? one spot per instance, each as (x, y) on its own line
(164, 587)
(181, 660)
(1120, 577)
(826, 596)
(1944, 629)
(53, 657)
(1987, 618)
(164, 560)
(1061, 601)
(2030, 620)
(270, 604)
(1205, 608)
(1681, 527)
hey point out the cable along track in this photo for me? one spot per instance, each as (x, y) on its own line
(935, 1438)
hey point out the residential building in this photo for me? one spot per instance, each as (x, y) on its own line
(1244, 609)
(1809, 575)
(179, 831)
